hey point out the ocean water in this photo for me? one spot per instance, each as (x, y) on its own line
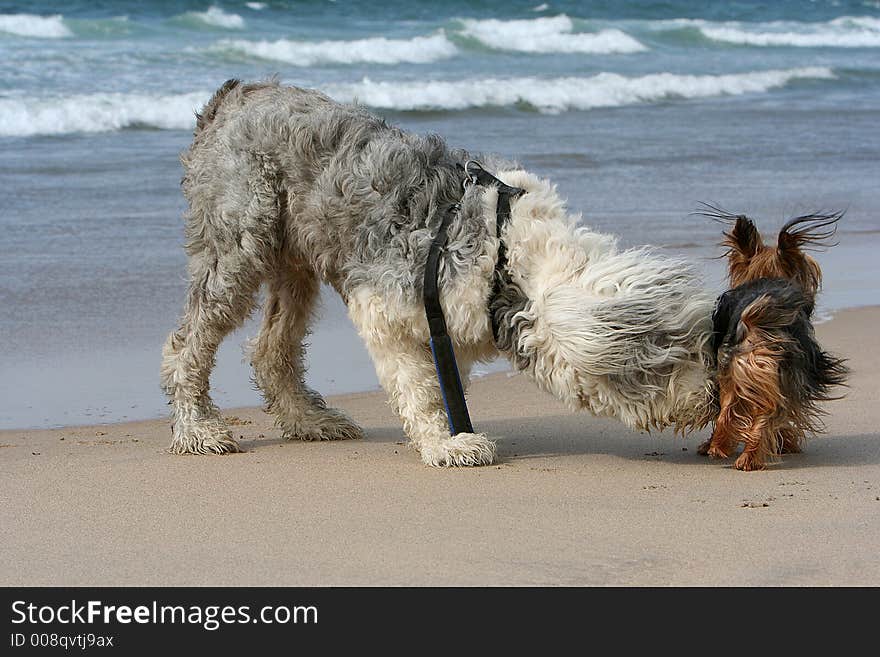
(638, 111)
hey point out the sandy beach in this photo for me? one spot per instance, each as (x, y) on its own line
(573, 500)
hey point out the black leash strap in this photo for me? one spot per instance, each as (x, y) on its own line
(441, 344)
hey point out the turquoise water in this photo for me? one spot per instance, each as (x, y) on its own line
(638, 111)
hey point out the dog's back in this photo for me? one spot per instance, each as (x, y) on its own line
(280, 165)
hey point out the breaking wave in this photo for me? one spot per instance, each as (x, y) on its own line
(213, 17)
(843, 32)
(24, 117)
(375, 50)
(560, 94)
(547, 35)
(31, 25)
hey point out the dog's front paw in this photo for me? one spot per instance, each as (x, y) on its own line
(748, 462)
(462, 449)
(717, 452)
(329, 424)
(206, 436)
(712, 450)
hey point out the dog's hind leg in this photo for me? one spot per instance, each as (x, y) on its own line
(218, 301)
(278, 359)
(406, 371)
(790, 440)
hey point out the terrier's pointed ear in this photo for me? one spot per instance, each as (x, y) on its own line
(744, 238)
(807, 233)
(743, 241)
(810, 230)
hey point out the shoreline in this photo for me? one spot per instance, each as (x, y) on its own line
(824, 317)
(573, 500)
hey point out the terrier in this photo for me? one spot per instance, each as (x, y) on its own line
(772, 374)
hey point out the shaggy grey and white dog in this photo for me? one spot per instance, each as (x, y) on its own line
(288, 188)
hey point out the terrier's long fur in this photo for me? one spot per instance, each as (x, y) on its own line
(772, 374)
(288, 188)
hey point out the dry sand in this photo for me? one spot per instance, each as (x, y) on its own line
(573, 500)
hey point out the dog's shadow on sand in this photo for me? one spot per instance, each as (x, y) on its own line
(572, 435)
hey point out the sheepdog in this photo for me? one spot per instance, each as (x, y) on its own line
(771, 372)
(290, 189)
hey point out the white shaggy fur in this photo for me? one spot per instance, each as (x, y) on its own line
(566, 272)
(572, 277)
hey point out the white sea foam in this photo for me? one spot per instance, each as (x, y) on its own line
(548, 35)
(23, 117)
(843, 32)
(376, 50)
(560, 94)
(541, 7)
(31, 25)
(256, 6)
(216, 17)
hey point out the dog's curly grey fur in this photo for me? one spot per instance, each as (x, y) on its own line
(288, 188)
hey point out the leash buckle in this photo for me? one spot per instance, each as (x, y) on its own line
(472, 170)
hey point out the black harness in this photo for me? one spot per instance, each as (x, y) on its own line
(441, 343)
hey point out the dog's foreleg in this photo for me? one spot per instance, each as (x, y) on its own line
(278, 359)
(725, 434)
(407, 373)
(759, 440)
(720, 445)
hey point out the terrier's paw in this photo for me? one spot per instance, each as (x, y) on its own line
(791, 446)
(202, 437)
(748, 462)
(716, 452)
(712, 451)
(463, 449)
(329, 424)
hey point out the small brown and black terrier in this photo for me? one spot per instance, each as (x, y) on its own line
(771, 372)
